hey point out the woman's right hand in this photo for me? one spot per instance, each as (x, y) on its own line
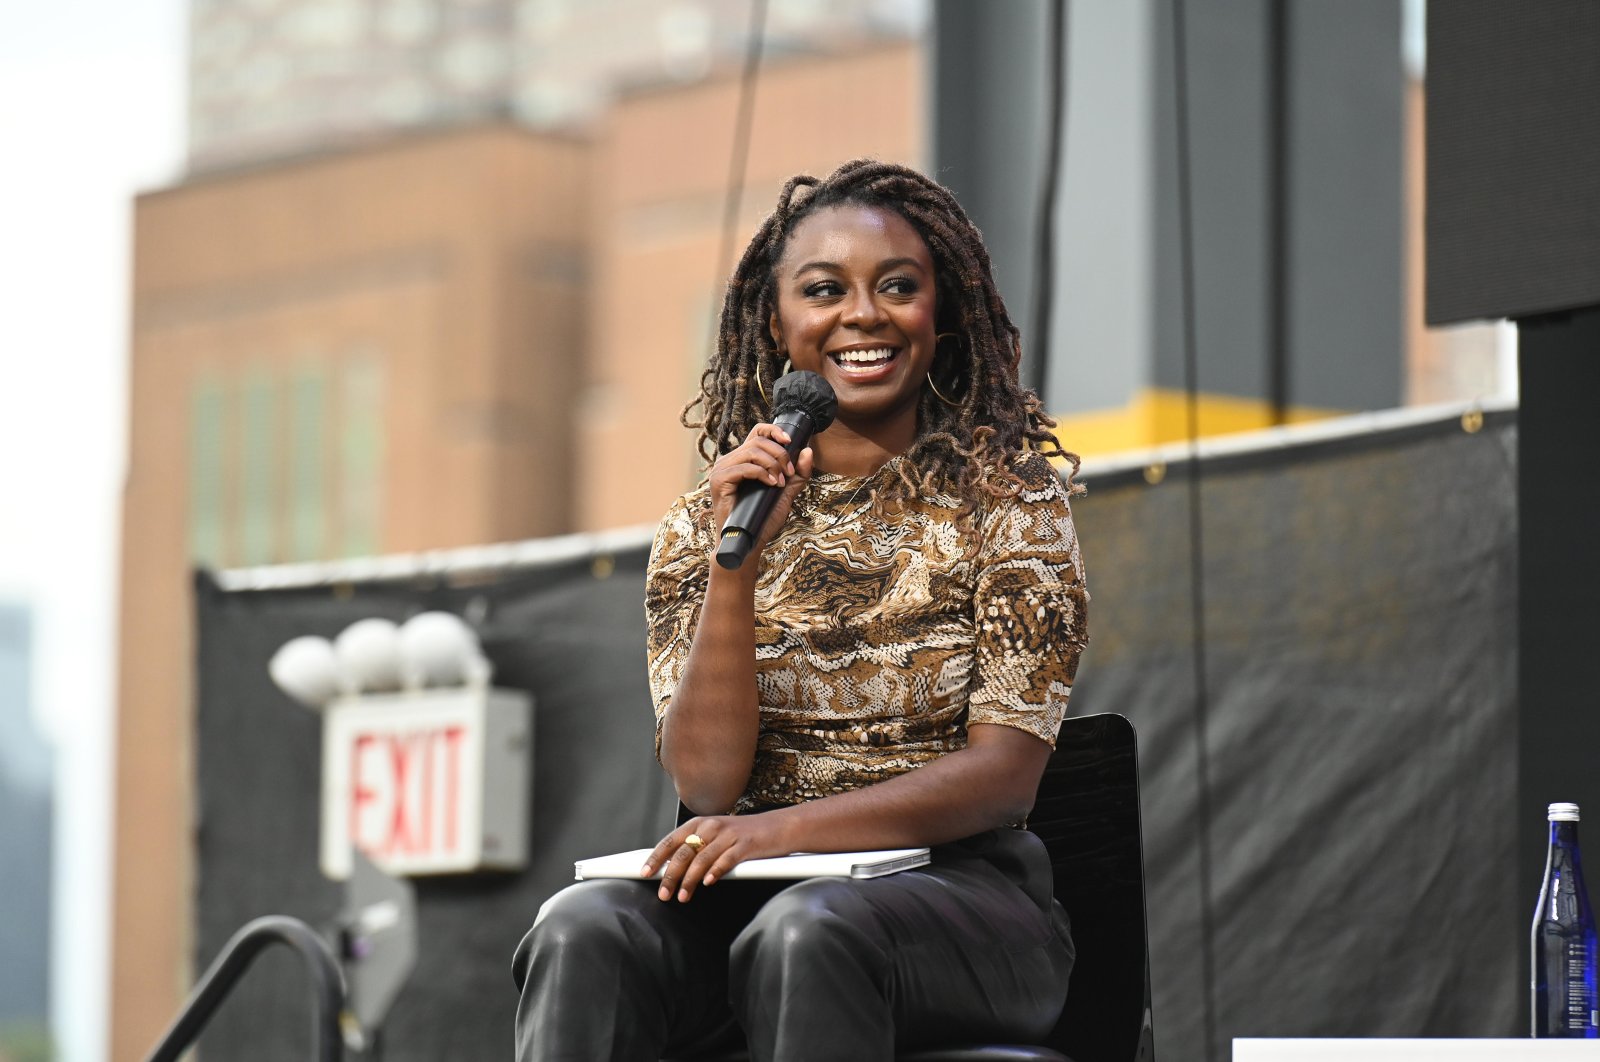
(760, 457)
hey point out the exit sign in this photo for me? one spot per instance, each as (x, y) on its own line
(429, 782)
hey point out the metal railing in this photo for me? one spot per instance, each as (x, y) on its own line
(327, 987)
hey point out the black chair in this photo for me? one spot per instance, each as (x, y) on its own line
(1087, 814)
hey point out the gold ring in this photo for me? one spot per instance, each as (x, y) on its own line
(695, 841)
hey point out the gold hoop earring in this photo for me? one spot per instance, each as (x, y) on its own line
(787, 362)
(952, 403)
(940, 395)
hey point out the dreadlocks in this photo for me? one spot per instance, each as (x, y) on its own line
(965, 450)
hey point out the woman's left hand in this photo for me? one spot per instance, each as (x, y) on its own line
(725, 841)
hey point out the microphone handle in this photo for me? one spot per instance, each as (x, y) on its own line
(755, 499)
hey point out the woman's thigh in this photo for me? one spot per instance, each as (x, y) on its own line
(968, 948)
(609, 961)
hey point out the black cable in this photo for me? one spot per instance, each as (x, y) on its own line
(1278, 209)
(1197, 596)
(1045, 245)
(738, 161)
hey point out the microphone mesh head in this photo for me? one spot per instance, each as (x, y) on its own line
(808, 392)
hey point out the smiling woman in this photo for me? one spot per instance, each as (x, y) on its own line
(892, 673)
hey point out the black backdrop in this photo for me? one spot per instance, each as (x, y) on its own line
(1513, 145)
(1360, 639)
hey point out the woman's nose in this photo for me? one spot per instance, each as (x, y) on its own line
(862, 310)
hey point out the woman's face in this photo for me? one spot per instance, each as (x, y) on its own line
(856, 305)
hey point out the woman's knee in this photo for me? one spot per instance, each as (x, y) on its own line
(589, 915)
(822, 916)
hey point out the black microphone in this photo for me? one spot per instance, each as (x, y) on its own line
(802, 405)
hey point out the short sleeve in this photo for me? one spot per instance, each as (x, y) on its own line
(675, 588)
(1030, 607)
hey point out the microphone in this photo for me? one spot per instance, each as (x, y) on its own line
(802, 405)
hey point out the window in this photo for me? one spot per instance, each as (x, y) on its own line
(258, 467)
(207, 522)
(361, 456)
(308, 457)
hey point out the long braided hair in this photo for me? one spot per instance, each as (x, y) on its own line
(966, 450)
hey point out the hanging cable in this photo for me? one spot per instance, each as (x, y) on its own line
(738, 160)
(1197, 595)
(1044, 250)
(1278, 171)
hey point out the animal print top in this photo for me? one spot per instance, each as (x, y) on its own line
(878, 640)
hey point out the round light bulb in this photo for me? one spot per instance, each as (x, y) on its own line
(439, 649)
(369, 656)
(307, 670)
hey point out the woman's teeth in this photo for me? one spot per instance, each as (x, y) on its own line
(861, 360)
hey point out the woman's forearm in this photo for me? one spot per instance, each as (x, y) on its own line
(708, 735)
(989, 783)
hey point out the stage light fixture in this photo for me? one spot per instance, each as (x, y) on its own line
(307, 670)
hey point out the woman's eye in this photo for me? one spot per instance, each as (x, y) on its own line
(900, 286)
(822, 288)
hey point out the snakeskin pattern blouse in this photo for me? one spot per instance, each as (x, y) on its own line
(878, 639)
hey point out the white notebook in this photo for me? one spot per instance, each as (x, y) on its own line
(801, 865)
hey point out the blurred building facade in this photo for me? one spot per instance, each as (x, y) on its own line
(27, 775)
(347, 355)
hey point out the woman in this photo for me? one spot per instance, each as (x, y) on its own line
(888, 669)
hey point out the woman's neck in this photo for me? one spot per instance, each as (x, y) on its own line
(854, 450)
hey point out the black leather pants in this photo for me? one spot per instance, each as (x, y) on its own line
(968, 949)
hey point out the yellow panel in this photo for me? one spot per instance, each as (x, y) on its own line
(1156, 416)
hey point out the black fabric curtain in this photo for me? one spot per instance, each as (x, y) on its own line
(1360, 644)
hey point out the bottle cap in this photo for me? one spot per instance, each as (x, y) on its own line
(1563, 813)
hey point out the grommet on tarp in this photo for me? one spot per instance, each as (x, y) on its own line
(1155, 472)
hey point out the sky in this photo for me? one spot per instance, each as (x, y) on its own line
(92, 97)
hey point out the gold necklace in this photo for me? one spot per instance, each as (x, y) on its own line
(847, 503)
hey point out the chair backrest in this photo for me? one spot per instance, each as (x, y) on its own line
(1087, 814)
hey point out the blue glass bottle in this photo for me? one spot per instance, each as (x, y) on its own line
(1565, 1003)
